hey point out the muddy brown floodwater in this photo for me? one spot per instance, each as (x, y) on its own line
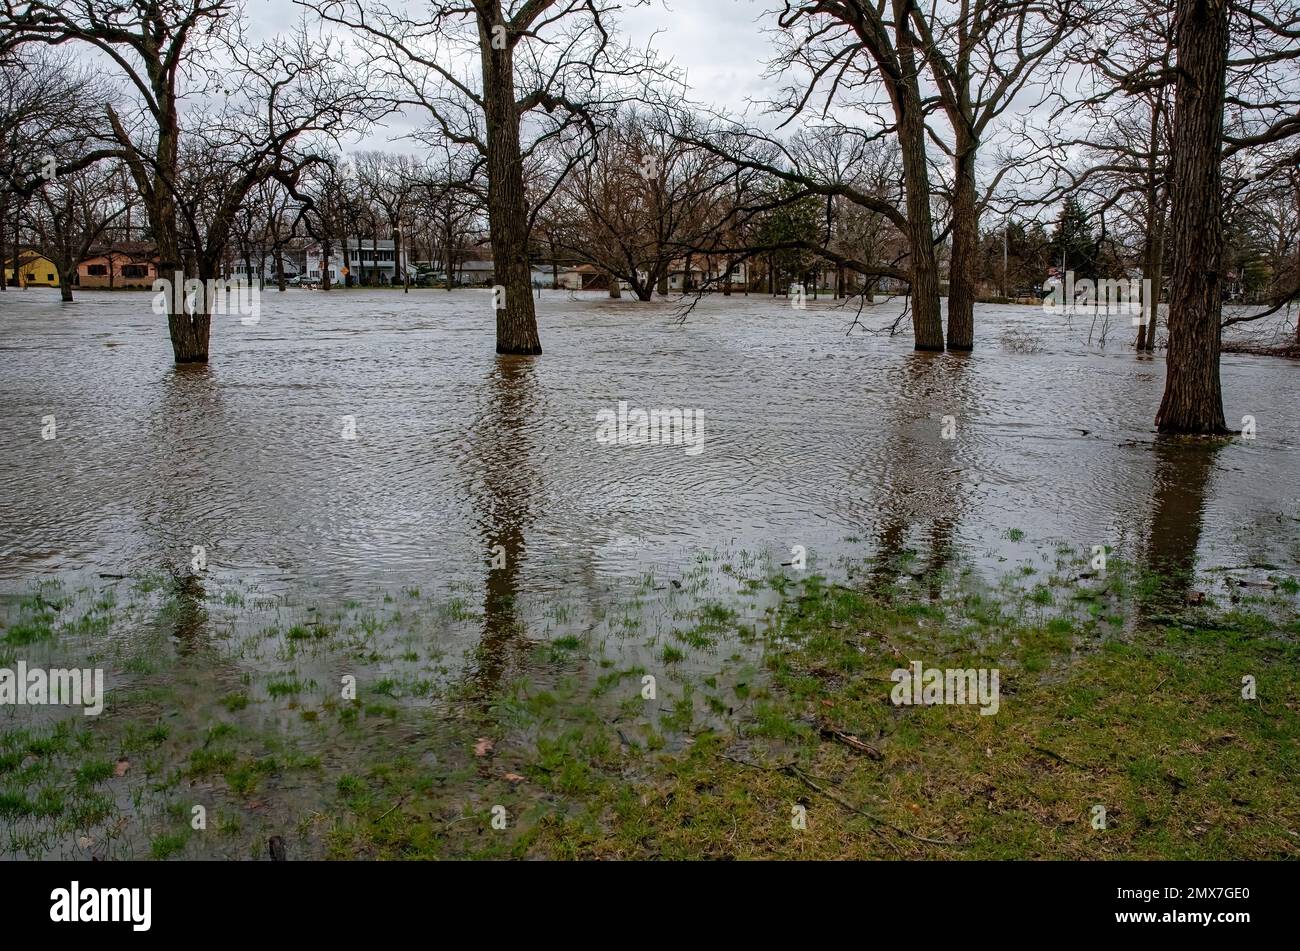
(811, 436)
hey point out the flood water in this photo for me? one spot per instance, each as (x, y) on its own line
(374, 556)
(812, 435)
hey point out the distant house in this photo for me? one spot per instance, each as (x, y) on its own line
(475, 273)
(707, 273)
(579, 278)
(127, 264)
(264, 270)
(369, 261)
(34, 270)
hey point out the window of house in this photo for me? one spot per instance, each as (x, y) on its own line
(134, 270)
(97, 270)
(49, 277)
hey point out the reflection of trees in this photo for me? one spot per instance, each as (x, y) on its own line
(501, 490)
(1182, 473)
(920, 476)
(178, 500)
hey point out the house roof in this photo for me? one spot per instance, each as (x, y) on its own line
(27, 257)
(125, 247)
(134, 251)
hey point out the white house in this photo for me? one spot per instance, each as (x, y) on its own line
(705, 272)
(370, 262)
(476, 272)
(265, 270)
(577, 278)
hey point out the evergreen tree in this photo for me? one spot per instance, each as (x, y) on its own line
(1073, 242)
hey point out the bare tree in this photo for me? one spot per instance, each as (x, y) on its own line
(449, 197)
(388, 181)
(843, 46)
(1193, 400)
(639, 200)
(549, 60)
(70, 215)
(47, 129)
(276, 92)
(982, 54)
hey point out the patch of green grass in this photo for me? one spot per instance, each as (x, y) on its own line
(285, 687)
(234, 702)
(168, 844)
(95, 771)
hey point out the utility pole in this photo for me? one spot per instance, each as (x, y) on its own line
(1005, 226)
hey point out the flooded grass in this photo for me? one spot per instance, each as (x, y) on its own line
(679, 726)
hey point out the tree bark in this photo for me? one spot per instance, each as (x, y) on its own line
(19, 281)
(1153, 251)
(1152, 269)
(451, 255)
(927, 328)
(4, 242)
(507, 208)
(1193, 398)
(963, 267)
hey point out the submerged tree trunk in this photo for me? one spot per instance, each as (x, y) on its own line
(1153, 251)
(4, 242)
(965, 249)
(615, 288)
(19, 280)
(507, 208)
(927, 328)
(1193, 398)
(1152, 270)
(189, 333)
(451, 259)
(280, 282)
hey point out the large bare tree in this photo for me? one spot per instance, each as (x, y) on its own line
(166, 50)
(982, 55)
(1193, 400)
(544, 66)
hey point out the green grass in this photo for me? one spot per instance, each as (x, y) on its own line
(1112, 693)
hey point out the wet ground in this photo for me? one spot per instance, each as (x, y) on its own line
(324, 556)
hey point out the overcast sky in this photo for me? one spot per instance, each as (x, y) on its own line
(719, 43)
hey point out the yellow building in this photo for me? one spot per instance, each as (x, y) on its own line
(34, 268)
